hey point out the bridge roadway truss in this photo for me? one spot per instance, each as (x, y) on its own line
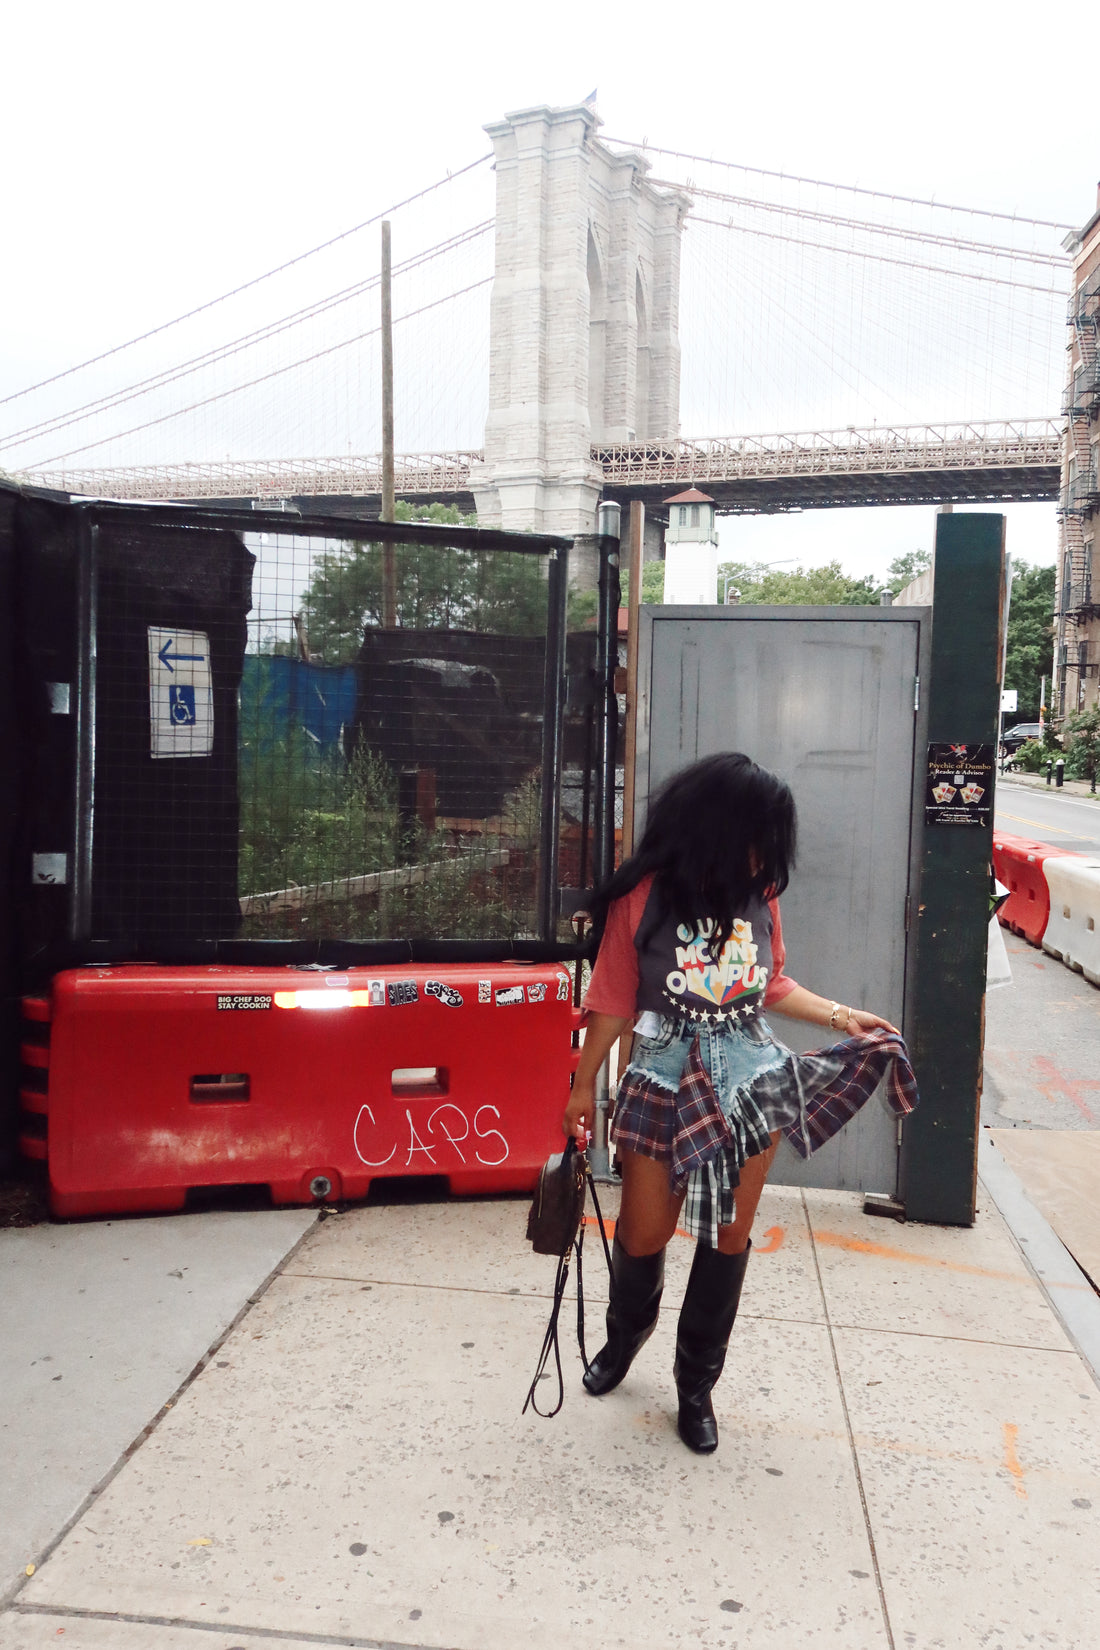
(997, 461)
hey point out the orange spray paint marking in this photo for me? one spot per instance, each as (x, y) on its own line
(774, 1240)
(1012, 1460)
(860, 1246)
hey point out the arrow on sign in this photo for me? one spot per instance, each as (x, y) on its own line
(178, 658)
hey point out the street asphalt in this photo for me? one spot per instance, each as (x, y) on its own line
(1042, 1044)
(1028, 808)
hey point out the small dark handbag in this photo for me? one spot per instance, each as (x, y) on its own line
(558, 1204)
(555, 1227)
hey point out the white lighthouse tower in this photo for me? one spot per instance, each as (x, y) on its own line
(691, 549)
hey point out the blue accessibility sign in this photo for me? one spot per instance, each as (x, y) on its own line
(181, 704)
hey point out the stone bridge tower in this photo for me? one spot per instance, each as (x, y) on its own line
(583, 346)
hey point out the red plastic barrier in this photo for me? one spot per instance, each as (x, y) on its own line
(312, 1083)
(1018, 863)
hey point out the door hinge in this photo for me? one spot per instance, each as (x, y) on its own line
(916, 694)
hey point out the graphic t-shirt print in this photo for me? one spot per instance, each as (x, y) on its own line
(707, 987)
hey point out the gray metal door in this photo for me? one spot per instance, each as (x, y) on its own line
(828, 698)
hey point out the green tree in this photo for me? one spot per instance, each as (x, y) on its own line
(905, 568)
(653, 583)
(1083, 759)
(1029, 654)
(438, 587)
(809, 586)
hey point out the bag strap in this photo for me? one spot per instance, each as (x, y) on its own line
(550, 1346)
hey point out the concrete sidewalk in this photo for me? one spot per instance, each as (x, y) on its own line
(910, 1456)
(1038, 782)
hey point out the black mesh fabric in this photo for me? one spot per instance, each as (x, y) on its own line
(165, 843)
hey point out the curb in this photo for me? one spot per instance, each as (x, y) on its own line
(1037, 782)
(1071, 1295)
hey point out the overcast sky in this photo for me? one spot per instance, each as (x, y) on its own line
(159, 155)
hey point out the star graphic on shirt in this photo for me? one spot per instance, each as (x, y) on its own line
(693, 1014)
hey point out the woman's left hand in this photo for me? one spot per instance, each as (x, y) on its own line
(861, 1019)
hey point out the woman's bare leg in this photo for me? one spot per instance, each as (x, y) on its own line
(649, 1210)
(732, 1240)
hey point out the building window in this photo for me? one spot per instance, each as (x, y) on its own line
(695, 515)
(683, 515)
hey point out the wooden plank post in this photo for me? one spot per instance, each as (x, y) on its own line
(946, 1016)
(635, 538)
(635, 544)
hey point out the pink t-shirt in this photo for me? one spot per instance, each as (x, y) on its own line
(614, 987)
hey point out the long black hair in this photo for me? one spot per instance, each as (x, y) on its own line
(718, 835)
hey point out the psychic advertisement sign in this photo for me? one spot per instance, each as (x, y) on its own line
(959, 786)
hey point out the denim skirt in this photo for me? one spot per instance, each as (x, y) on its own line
(692, 1098)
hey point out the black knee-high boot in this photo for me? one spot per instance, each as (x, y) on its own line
(706, 1319)
(637, 1282)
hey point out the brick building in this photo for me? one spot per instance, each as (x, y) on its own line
(1077, 589)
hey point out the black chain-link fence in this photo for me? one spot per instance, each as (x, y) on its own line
(250, 731)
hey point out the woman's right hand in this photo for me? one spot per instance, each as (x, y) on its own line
(580, 1116)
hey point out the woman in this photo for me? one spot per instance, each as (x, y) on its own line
(690, 953)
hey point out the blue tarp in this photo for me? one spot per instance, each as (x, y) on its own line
(278, 694)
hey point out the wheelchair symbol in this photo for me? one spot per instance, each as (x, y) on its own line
(181, 704)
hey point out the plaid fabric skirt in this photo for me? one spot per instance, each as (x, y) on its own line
(705, 1100)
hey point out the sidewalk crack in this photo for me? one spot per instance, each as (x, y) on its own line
(350, 1641)
(850, 1434)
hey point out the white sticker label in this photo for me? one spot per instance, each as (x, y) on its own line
(181, 703)
(49, 868)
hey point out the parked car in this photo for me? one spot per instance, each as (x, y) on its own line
(1013, 738)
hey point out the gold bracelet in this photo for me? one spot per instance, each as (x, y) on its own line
(833, 1016)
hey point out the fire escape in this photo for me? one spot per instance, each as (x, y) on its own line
(1081, 494)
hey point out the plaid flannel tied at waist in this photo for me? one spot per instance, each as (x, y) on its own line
(833, 1084)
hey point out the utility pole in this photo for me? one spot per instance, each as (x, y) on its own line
(389, 567)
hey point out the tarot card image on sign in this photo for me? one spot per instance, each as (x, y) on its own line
(959, 785)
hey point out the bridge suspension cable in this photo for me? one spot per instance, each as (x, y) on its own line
(251, 383)
(647, 148)
(881, 257)
(988, 248)
(256, 280)
(248, 340)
